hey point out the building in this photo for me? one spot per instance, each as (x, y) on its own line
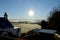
(4, 22)
(6, 27)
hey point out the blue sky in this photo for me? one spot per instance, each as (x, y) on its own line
(18, 9)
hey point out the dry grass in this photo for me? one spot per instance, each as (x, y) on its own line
(27, 27)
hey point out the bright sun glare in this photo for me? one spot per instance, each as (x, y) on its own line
(31, 13)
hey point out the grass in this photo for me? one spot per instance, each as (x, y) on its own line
(27, 27)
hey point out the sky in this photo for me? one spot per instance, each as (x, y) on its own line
(18, 9)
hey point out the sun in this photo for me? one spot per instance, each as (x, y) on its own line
(31, 13)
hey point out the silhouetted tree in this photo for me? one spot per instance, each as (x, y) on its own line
(54, 20)
(44, 24)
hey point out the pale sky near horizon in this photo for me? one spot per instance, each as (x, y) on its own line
(18, 9)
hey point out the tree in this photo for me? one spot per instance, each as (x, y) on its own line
(54, 20)
(44, 24)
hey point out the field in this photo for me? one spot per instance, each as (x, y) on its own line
(27, 27)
